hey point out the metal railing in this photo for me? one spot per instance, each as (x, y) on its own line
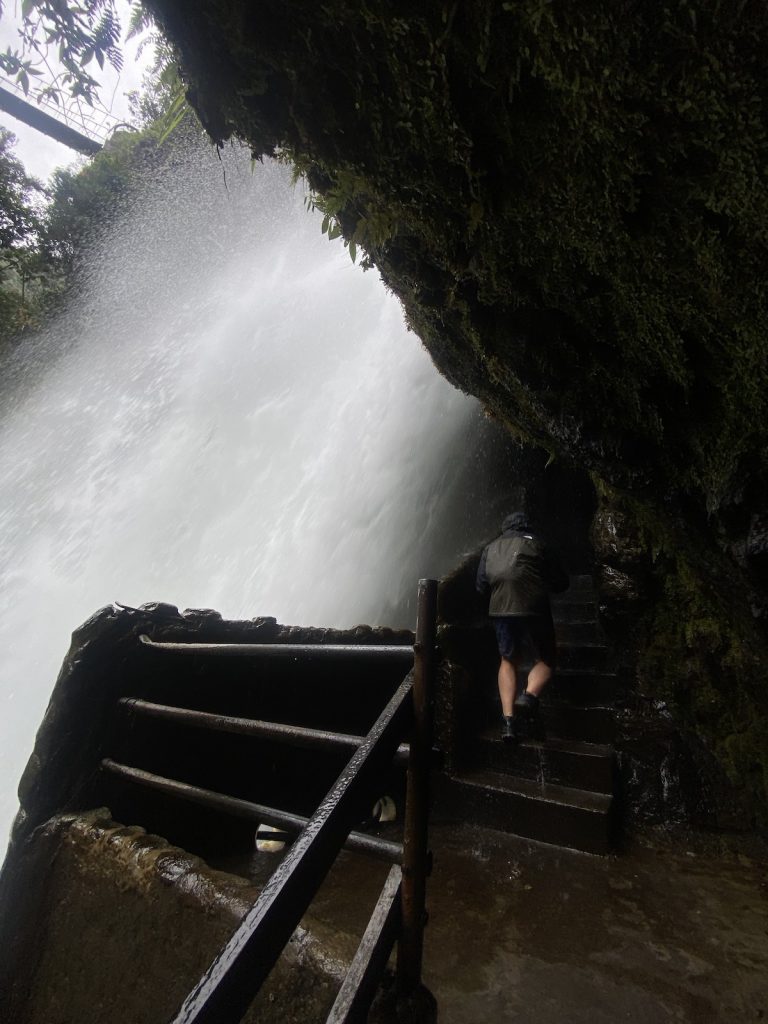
(83, 133)
(224, 993)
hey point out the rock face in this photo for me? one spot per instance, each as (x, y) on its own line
(569, 201)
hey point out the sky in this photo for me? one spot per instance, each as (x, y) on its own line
(41, 155)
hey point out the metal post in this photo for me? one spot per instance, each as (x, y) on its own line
(415, 852)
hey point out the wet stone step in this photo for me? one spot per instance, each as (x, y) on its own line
(587, 766)
(578, 631)
(582, 655)
(574, 818)
(591, 723)
(581, 583)
(582, 687)
(579, 599)
(595, 724)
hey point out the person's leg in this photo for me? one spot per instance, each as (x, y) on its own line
(538, 678)
(541, 641)
(507, 685)
(507, 679)
(507, 644)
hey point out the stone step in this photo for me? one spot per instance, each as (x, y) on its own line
(582, 687)
(581, 597)
(588, 766)
(574, 818)
(578, 631)
(578, 601)
(592, 656)
(590, 724)
(569, 611)
(580, 584)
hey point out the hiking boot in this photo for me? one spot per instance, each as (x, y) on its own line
(527, 704)
(509, 729)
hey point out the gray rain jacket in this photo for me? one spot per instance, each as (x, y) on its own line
(519, 572)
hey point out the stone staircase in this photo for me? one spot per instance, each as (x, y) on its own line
(560, 789)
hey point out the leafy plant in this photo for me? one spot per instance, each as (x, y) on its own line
(68, 36)
(21, 226)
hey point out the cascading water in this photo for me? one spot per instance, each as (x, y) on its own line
(233, 416)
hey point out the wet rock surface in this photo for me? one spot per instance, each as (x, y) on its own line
(692, 720)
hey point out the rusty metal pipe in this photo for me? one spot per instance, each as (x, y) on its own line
(384, 849)
(295, 735)
(345, 652)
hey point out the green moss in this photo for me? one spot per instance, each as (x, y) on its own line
(698, 649)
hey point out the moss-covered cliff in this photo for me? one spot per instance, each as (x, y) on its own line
(570, 200)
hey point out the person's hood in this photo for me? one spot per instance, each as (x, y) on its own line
(517, 521)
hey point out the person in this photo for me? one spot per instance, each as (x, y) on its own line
(517, 572)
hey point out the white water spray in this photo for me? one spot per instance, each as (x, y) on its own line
(233, 416)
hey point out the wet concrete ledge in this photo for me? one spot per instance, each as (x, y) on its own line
(113, 923)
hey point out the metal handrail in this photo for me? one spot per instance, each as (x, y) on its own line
(400, 912)
(230, 984)
(384, 849)
(296, 735)
(225, 991)
(53, 127)
(356, 994)
(303, 651)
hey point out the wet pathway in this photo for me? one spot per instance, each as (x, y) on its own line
(523, 932)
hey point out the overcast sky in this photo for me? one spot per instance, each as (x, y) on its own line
(41, 155)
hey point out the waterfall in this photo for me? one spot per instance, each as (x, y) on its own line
(231, 415)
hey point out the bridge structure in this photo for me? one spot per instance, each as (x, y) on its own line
(83, 129)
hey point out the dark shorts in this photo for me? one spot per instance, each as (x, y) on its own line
(518, 634)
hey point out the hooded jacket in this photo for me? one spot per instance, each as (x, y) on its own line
(519, 572)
